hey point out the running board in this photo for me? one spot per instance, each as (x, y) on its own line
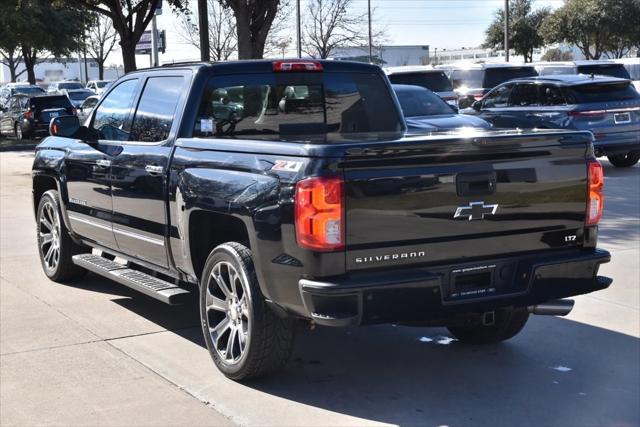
(152, 286)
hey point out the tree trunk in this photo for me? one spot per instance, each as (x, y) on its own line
(128, 55)
(245, 48)
(100, 70)
(12, 70)
(29, 63)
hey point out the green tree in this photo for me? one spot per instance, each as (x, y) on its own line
(130, 19)
(596, 27)
(524, 30)
(556, 54)
(254, 19)
(42, 28)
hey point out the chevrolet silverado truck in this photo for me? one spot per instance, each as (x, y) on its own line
(280, 191)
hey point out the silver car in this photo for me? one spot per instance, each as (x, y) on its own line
(424, 76)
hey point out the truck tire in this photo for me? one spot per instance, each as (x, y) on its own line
(245, 338)
(508, 322)
(624, 160)
(55, 246)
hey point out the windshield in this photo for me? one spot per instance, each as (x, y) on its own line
(47, 102)
(79, 95)
(70, 85)
(434, 81)
(552, 71)
(467, 78)
(496, 76)
(28, 90)
(613, 70)
(266, 106)
(602, 92)
(416, 103)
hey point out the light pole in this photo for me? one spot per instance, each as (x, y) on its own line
(506, 30)
(203, 25)
(435, 55)
(298, 30)
(370, 37)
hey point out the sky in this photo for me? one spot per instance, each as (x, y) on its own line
(442, 24)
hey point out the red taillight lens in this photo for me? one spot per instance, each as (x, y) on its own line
(478, 96)
(28, 114)
(591, 113)
(319, 213)
(293, 66)
(595, 201)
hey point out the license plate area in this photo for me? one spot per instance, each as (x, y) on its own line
(622, 118)
(481, 281)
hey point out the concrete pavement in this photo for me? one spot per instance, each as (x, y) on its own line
(95, 352)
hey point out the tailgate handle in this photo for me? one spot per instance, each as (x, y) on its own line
(476, 183)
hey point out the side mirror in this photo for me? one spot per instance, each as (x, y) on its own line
(64, 126)
(477, 105)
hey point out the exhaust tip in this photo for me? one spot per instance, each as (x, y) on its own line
(560, 307)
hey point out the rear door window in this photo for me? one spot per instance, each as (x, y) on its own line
(551, 96)
(434, 81)
(268, 106)
(156, 110)
(602, 92)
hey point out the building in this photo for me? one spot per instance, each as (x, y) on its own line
(387, 56)
(63, 69)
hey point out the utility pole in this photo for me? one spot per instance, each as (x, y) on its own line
(298, 29)
(506, 30)
(370, 37)
(203, 25)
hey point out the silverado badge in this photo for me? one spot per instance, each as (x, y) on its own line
(475, 210)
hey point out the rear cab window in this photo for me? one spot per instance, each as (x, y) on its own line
(50, 102)
(495, 76)
(612, 70)
(467, 78)
(276, 106)
(602, 92)
(434, 81)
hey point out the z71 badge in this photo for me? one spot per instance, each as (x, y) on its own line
(286, 165)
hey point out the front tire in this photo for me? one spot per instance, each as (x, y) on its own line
(624, 160)
(245, 338)
(508, 323)
(55, 246)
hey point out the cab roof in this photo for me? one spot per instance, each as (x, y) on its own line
(571, 79)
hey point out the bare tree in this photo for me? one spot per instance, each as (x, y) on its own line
(101, 39)
(331, 23)
(279, 38)
(223, 38)
(11, 57)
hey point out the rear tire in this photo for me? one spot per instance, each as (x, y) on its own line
(624, 160)
(245, 338)
(55, 246)
(508, 323)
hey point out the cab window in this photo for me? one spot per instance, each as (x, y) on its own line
(156, 109)
(111, 117)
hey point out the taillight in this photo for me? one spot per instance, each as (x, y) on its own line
(319, 213)
(590, 113)
(294, 66)
(28, 114)
(478, 96)
(595, 200)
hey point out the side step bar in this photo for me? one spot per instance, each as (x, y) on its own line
(137, 280)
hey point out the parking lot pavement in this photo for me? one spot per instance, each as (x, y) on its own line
(95, 352)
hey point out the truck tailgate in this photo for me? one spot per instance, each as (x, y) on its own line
(429, 199)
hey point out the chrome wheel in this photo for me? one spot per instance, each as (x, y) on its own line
(49, 235)
(227, 312)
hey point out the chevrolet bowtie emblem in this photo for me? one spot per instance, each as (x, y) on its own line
(475, 210)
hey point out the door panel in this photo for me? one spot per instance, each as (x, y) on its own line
(139, 171)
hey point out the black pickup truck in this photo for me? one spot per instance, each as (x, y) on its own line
(287, 190)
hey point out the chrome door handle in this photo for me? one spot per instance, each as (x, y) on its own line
(103, 163)
(153, 169)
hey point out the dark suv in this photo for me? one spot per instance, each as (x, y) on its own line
(28, 116)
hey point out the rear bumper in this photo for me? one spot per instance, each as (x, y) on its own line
(425, 294)
(616, 143)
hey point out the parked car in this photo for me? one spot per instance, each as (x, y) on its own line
(632, 65)
(10, 89)
(58, 87)
(424, 111)
(98, 86)
(605, 68)
(473, 81)
(86, 108)
(77, 96)
(314, 207)
(427, 77)
(29, 116)
(609, 107)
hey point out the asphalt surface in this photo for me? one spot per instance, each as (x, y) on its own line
(97, 353)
